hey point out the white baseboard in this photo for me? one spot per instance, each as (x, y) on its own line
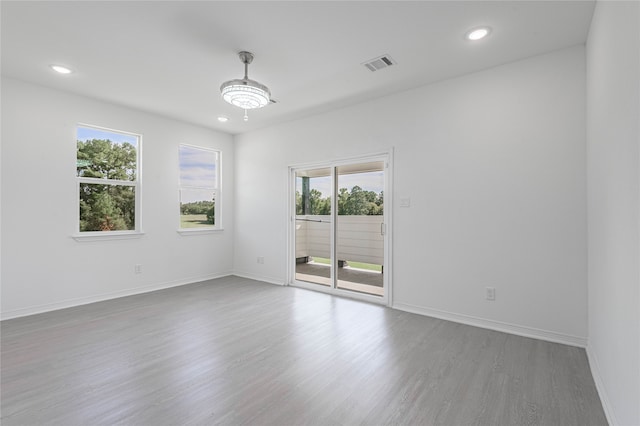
(69, 303)
(460, 318)
(248, 275)
(550, 336)
(600, 387)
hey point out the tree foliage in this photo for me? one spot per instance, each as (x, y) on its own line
(105, 207)
(354, 202)
(211, 214)
(103, 159)
(200, 207)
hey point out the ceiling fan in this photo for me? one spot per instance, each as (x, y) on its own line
(246, 93)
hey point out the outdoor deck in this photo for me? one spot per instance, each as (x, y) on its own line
(360, 280)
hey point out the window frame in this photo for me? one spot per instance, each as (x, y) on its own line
(136, 185)
(217, 190)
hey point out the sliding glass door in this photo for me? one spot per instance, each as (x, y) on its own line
(339, 228)
(313, 230)
(360, 228)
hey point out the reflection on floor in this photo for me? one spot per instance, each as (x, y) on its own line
(359, 280)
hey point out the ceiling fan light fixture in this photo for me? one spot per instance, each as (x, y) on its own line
(245, 93)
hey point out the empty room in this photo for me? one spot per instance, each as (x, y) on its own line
(320, 213)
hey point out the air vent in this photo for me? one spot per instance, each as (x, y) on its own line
(379, 63)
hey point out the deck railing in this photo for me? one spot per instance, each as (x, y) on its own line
(359, 238)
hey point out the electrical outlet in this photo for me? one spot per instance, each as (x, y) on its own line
(260, 260)
(137, 269)
(490, 293)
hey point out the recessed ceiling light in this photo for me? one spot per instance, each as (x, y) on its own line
(223, 119)
(60, 69)
(478, 33)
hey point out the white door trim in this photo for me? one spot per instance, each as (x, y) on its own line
(387, 158)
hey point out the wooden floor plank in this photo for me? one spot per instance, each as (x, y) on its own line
(240, 352)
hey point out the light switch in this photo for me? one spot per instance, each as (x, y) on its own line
(405, 202)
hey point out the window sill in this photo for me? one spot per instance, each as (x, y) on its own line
(106, 236)
(198, 231)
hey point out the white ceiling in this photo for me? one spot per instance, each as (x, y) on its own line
(170, 57)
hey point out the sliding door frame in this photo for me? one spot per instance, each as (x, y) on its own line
(387, 158)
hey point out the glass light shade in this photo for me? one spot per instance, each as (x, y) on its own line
(245, 93)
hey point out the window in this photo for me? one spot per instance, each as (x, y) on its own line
(199, 188)
(108, 173)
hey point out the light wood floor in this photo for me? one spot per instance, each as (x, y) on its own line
(236, 351)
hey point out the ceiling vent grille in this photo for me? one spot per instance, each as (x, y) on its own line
(384, 61)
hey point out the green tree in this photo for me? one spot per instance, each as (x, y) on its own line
(298, 203)
(319, 205)
(343, 198)
(357, 203)
(106, 207)
(315, 198)
(211, 213)
(370, 196)
(99, 158)
(101, 213)
(324, 207)
(196, 207)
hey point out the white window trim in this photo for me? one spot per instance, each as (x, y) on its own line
(186, 232)
(88, 236)
(218, 191)
(113, 182)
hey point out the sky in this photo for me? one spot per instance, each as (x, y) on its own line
(88, 133)
(197, 169)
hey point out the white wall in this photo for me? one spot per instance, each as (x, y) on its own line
(43, 268)
(613, 135)
(494, 164)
